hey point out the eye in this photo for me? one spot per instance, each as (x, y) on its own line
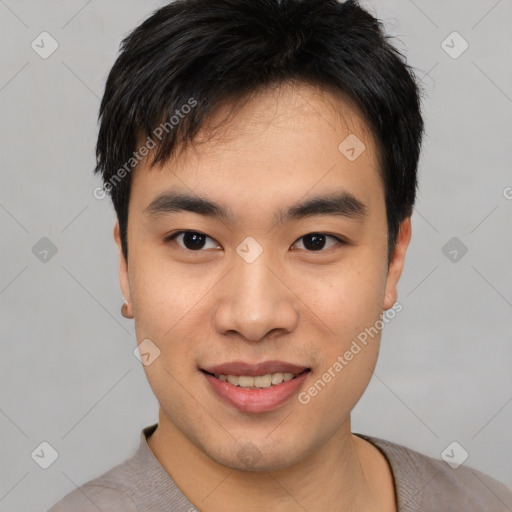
(317, 241)
(191, 240)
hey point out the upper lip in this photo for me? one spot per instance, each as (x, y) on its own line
(255, 369)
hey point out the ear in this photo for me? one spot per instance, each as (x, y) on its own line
(397, 263)
(123, 268)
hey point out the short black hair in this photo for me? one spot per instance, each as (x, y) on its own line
(201, 54)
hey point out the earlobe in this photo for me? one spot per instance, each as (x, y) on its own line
(397, 263)
(127, 308)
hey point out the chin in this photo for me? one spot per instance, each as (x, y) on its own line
(255, 456)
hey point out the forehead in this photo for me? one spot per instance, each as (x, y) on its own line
(284, 107)
(280, 143)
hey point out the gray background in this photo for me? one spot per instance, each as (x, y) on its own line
(68, 374)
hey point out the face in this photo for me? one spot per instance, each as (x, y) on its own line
(284, 281)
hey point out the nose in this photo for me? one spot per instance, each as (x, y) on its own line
(255, 301)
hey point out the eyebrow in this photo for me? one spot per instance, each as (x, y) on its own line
(343, 204)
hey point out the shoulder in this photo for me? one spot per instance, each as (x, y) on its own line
(108, 492)
(425, 483)
(92, 497)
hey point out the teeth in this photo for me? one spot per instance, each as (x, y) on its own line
(232, 379)
(261, 381)
(245, 382)
(277, 378)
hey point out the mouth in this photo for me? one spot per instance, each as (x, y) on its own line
(255, 388)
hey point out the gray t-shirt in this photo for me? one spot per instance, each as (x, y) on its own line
(422, 484)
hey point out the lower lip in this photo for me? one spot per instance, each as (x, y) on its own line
(256, 400)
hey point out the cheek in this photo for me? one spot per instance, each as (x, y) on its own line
(349, 309)
(348, 301)
(166, 305)
(166, 310)
(352, 306)
(165, 297)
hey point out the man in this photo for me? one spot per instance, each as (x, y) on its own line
(261, 156)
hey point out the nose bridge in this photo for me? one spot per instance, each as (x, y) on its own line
(253, 300)
(255, 283)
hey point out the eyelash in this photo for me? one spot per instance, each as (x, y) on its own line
(173, 236)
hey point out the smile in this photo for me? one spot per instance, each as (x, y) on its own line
(262, 391)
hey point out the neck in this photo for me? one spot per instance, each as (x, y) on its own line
(346, 470)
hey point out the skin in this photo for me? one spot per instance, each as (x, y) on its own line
(292, 304)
